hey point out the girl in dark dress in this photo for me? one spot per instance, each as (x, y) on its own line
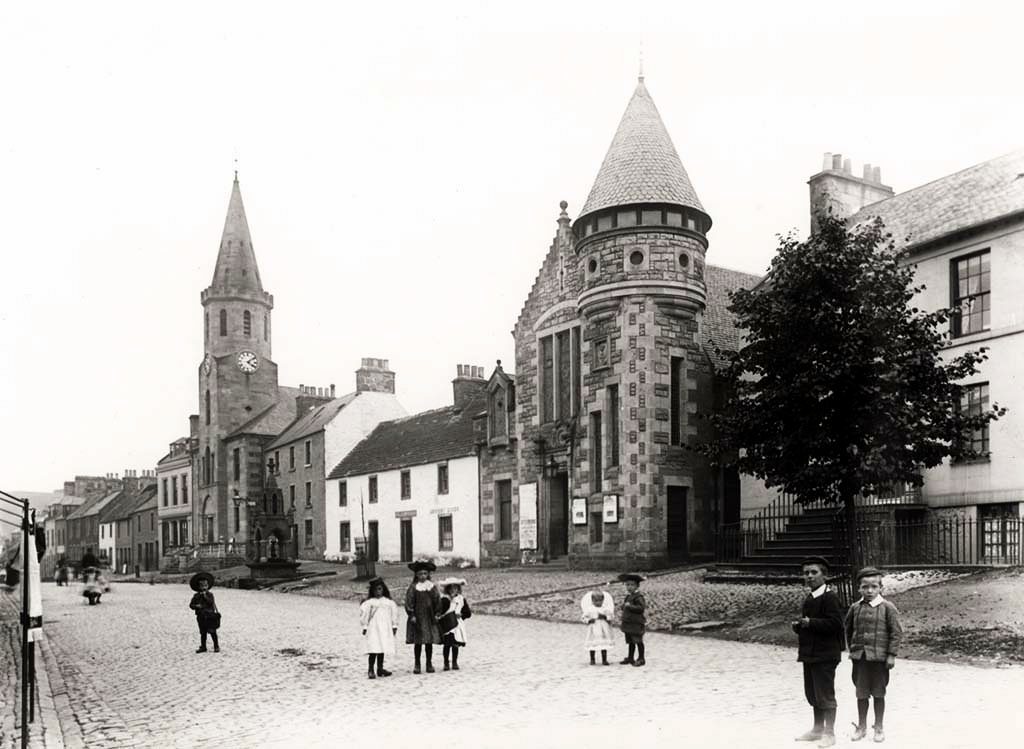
(422, 606)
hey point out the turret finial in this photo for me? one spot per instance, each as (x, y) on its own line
(640, 77)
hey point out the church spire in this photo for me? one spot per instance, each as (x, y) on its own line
(642, 165)
(236, 270)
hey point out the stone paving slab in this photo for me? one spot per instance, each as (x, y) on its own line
(131, 678)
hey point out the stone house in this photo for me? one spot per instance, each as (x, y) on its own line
(411, 489)
(615, 355)
(145, 532)
(174, 494)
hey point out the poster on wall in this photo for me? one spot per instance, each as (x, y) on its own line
(611, 508)
(579, 510)
(527, 516)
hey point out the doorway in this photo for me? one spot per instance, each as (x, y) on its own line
(406, 539)
(372, 548)
(558, 515)
(675, 524)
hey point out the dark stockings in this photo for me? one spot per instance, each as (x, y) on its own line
(819, 719)
(452, 650)
(632, 651)
(862, 712)
(604, 657)
(640, 651)
(371, 658)
(418, 649)
(213, 635)
(879, 711)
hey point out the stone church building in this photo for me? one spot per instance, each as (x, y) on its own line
(582, 449)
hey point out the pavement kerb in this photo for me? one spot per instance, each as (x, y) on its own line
(648, 575)
(55, 706)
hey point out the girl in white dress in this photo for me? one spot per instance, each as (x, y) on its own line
(598, 608)
(378, 615)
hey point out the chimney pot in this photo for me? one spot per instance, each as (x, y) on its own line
(847, 166)
(876, 174)
(867, 172)
(837, 161)
(332, 389)
(826, 162)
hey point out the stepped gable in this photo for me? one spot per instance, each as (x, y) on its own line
(428, 437)
(976, 196)
(642, 165)
(720, 328)
(312, 421)
(275, 418)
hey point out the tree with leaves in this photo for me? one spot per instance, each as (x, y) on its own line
(842, 387)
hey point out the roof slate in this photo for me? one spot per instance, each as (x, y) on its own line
(719, 324)
(312, 421)
(124, 505)
(642, 165)
(94, 505)
(236, 270)
(428, 437)
(977, 195)
(275, 418)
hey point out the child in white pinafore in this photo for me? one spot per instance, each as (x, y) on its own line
(598, 609)
(378, 615)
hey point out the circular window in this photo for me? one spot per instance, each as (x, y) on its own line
(684, 260)
(636, 257)
(592, 266)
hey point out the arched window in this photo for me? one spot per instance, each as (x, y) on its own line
(247, 323)
(223, 322)
(206, 466)
(207, 407)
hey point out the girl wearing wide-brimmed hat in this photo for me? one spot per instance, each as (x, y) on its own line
(634, 618)
(207, 615)
(378, 615)
(422, 605)
(454, 609)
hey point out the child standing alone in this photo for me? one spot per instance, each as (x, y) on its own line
(378, 615)
(873, 631)
(634, 618)
(454, 609)
(598, 609)
(207, 616)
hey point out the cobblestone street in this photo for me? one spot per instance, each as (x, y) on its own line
(292, 674)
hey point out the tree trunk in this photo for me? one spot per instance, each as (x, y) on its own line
(854, 553)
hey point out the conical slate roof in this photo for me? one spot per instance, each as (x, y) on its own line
(236, 269)
(641, 165)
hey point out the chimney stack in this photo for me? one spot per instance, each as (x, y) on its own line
(375, 377)
(469, 382)
(836, 188)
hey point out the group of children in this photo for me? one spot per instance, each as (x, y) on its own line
(436, 614)
(871, 629)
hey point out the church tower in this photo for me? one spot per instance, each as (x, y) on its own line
(237, 378)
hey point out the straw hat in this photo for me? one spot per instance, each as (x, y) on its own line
(422, 565)
(194, 580)
(451, 581)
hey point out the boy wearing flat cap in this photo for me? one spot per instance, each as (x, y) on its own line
(821, 643)
(874, 633)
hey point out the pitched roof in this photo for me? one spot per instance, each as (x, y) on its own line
(275, 418)
(94, 505)
(977, 195)
(236, 269)
(145, 497)
(719, 324)
(313, 421)
(124, 505)
(427, 437)
(642, 165)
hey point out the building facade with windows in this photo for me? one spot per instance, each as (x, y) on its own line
(964, 234)
(174, 496)
(411, 488)
(583, 449)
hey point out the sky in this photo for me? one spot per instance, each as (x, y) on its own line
(401, 166)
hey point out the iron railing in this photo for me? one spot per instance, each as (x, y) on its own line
(942, 541)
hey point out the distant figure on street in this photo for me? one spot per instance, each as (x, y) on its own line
(422, 604)
(634, 619)
(62, 571)
(873, 632)
(89, 559)
(207, 615)
(598, 608)
(378, 615)
(820, 633)
(454, 610)
(94, 584)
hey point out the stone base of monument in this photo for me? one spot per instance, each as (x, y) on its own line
(273, 569)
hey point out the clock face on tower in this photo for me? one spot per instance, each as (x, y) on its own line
(247, 361)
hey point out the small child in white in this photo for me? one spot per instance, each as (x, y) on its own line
(454, 610)
(598, 609)
(378, 615)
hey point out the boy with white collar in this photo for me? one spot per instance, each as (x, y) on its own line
(821, 644)
(873, 631)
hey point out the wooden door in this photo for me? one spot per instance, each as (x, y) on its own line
(675, 524)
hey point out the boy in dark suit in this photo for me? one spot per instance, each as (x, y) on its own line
(821, 643)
